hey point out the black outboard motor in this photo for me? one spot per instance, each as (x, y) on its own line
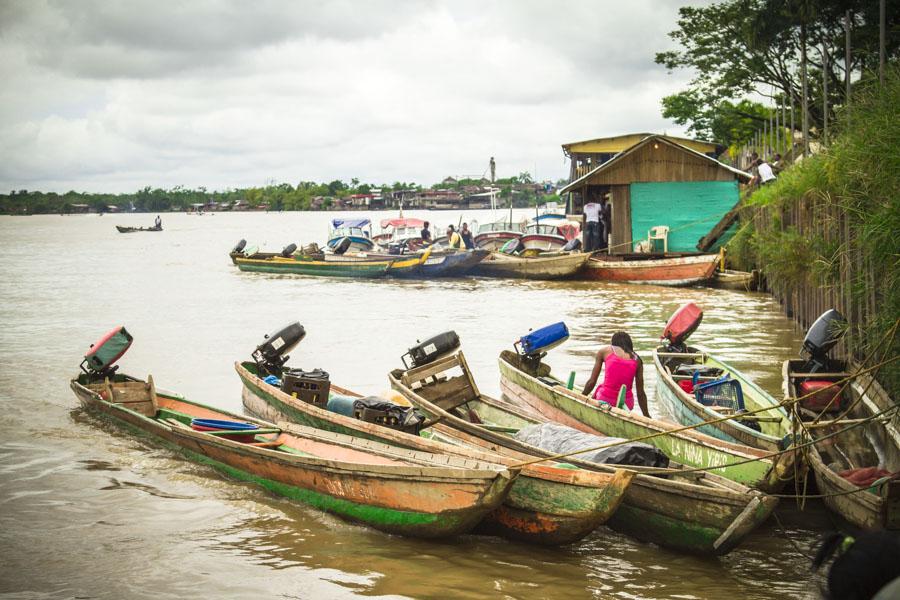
(821, 338)
(288, 250)
(271, 355)
(572, 245)
(342, 246)
(239, 247)
(431, 349)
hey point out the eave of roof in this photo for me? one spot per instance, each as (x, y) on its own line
(622, 155)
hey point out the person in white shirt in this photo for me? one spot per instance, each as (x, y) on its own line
(591, 226)
(765, 173)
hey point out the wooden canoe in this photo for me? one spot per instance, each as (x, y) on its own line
(308, 266)
(693, 512)
(558, 266)
(747, 281)
(123, 229)
(652, 269)
(538, 389)
(874, 444)
(774, 424)
(392, 489)
(547, 504)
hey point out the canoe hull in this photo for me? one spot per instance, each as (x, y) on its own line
(685, 409)
(673, 512)
(321, 268)
(675, 271)
(690, 448)
(872, 508)
(543, 241)
(123, 229)
(562, 266)
(546, 505)
(432, 504)
(494, 240)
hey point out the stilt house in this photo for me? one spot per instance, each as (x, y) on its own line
(654, 182)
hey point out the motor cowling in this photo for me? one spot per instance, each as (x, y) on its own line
(342, 246)
(271, 355)
(538, 342)
(821, 337)
(239, 246)
(98, 360)
(431, 349)
(682, 324)
(288, 250)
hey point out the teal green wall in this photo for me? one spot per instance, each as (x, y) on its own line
(689, 208)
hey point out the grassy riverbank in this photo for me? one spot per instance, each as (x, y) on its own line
(830, 226)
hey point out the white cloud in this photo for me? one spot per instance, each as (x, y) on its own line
(114, 96)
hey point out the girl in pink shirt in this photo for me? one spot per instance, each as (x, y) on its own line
(623, 367)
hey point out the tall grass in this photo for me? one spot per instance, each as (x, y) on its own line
(859, 174)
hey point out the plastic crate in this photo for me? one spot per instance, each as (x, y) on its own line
(724, 392)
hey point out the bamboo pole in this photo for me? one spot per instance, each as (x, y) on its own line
(792, 129)
(804, 103)
(882, 39)
(824, 94)
(847, 64)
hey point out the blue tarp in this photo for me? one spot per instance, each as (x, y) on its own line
(349, 222)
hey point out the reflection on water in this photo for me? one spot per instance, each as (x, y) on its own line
(91, 511)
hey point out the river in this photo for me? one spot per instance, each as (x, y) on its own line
(87, 511)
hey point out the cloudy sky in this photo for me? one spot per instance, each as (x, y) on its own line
(116, 95)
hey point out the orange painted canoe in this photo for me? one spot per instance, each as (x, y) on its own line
(651, 269)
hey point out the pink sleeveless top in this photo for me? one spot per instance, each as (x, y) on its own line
(619, 372)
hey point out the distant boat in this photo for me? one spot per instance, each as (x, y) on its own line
(491, 236)
(560, 265)
(549, 232)
(359, 231)
(659, 269)
(123, 229)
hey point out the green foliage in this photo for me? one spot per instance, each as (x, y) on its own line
(739, 47)
(729, 123)
(857, 178)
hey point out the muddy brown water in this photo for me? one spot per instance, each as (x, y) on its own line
(88, 511)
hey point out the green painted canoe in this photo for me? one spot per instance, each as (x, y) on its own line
(691, 512)
(774, 424)
(392, 489)
(308, 266)
(543, 393)
(548, 504)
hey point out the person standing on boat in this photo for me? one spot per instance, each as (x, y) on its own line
(158, 222)
(425, 234)
(453, 238)
(605, 220)
(623, 367)
(592, 226)
(466, 236)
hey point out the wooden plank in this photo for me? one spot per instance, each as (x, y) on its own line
(707, 241)
(818, 375)
(431, 369)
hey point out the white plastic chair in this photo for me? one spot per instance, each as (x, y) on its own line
(659, 232)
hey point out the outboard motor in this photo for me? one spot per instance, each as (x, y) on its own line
(533, 346)
(572, 245)
(821, 338)
(239, 247)
(512, 247)
(431, 349)
(681, 325)
(288, 250)
(342, 246)
(271, 355)
(99, 359)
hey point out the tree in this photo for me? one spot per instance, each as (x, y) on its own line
(727, 122)
(742, 47)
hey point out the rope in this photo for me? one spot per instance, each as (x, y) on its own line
(784, 403)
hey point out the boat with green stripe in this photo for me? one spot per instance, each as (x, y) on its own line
(767, 429)
(693, 511)
(534, 385)
(549, 504)
(392, 489)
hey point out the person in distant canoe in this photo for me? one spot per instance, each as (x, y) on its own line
(466, 234)
(623, 367)
(425, 234)
(453, 238)
(158, 222)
